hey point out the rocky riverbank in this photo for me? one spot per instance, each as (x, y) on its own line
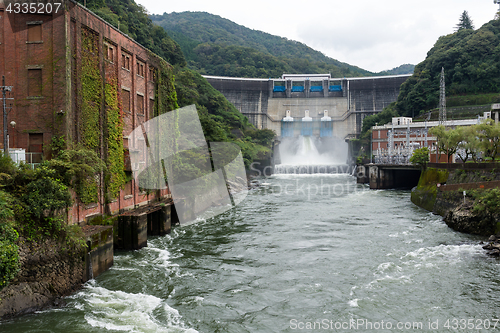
(471, 214)
(463, 218)
(49, 271)
(493, 246)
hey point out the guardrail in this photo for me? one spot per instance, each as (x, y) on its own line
(470, 186)
(465, 166)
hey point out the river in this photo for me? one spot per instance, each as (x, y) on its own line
(303, 252)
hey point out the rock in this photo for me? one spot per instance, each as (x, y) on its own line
(464, 220)
(47, 273)
(488, 247)
(495, 252)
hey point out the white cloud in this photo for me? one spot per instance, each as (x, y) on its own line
(374, 35)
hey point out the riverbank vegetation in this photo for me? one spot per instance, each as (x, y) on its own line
(474, 211)
(472, 143)
(34, 203)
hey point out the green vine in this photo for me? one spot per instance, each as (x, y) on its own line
(91, 91)
(115, 157)
(165, 94)
(91, 94)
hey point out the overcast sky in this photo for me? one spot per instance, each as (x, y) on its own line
(373, 35)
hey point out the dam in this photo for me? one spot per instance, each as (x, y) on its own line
(314, 116)
(336, 106)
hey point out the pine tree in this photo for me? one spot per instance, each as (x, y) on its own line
(465, 22)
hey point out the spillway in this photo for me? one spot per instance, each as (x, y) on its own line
(311, 155)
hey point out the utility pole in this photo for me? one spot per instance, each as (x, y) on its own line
(442, 99)
(4, 100)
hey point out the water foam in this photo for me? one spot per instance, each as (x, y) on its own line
(128, 312)
(452, 253)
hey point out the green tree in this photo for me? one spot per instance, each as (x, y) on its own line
(464, 22)
(420, 157)
(381, 118)
(489, 137)
(470, 144)
(447, 140)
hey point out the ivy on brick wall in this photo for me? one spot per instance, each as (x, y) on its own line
(115, 178)
(91, 96)
(91, 91)
(165, 95)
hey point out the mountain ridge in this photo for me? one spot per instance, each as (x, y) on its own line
(198, 32)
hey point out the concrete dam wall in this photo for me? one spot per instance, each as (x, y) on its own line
(268, 102)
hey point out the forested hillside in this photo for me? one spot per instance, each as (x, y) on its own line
(403, 69)
(471, 60)
(132, 20)
(216, 46)
(220, 120)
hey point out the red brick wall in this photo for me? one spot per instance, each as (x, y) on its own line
(57, 111)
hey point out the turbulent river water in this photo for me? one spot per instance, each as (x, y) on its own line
(303, 253)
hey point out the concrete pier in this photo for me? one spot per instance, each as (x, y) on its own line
(387, 176)
(134, 227)
(99, 257)
(160, 221)
(132, 231)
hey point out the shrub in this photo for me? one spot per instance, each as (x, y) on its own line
(9, 257)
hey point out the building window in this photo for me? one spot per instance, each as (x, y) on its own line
(110, 54)
(126, 61)
(126, 100)
(140, 68)
(128, 190)
(34, 82)
(152, 75)
(151, 108)
(35, 147)
(34, 32)
(140, 104)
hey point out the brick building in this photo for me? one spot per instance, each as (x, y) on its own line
(394, 142)
(69, 71)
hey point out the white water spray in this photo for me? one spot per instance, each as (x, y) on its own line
(309, 154)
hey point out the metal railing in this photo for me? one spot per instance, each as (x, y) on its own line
(399, 156)
(29, 158)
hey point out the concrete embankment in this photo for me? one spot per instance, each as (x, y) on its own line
(441, 191)
(50, 269)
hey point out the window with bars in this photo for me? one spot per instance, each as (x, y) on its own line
(110, 54)
(140, 68)
(152, 74)
(126, 61)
